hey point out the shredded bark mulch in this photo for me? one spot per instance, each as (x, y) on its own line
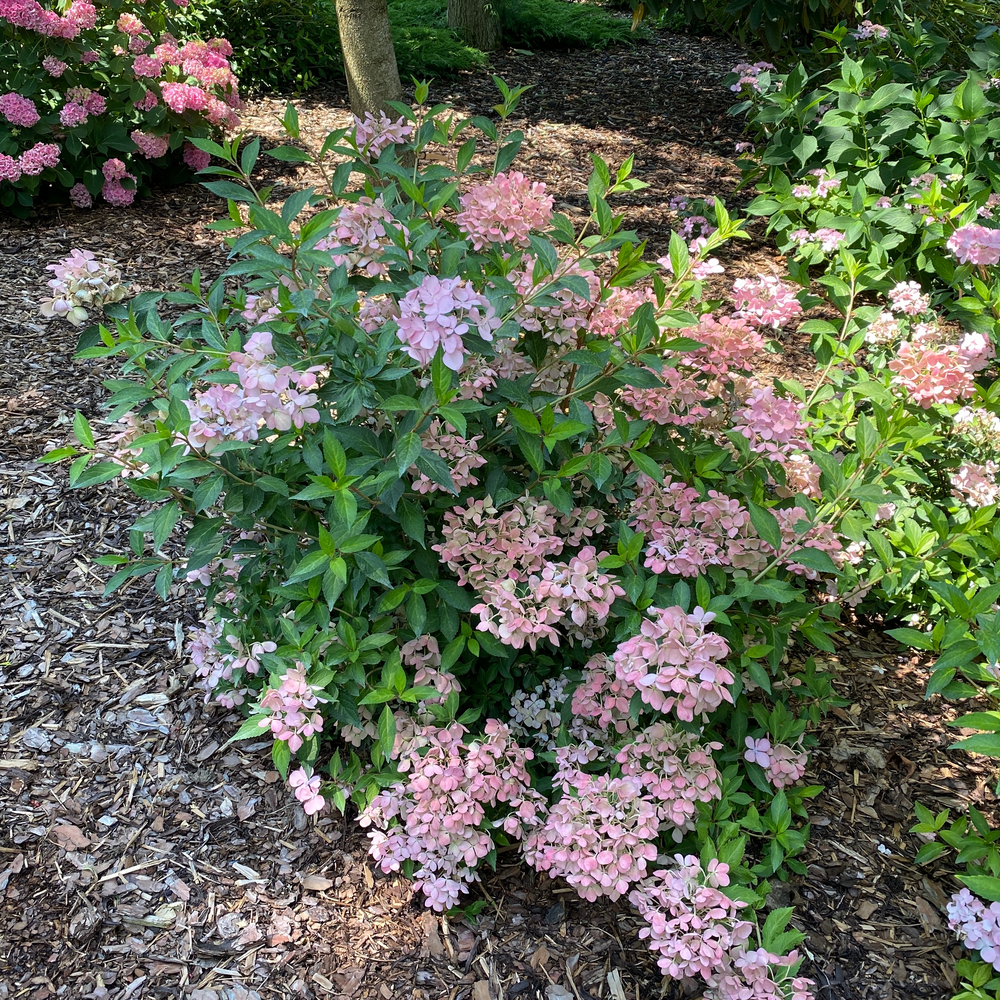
(142, 856)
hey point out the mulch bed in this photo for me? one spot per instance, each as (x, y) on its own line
(142, 856)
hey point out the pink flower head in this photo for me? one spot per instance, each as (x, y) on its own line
(374, 134)
(360, 228)
(10, 169)
(54, 67)
(674, 663)
(504, 210)
(766, 301)
(80, 196)
(907, 297)
(438, 313)
(19, 110)
(151, 146)
(181, 97)
(43, 154)
(975, 244)
(197, 159)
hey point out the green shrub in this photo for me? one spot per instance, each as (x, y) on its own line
(278, 44)
(557, 24)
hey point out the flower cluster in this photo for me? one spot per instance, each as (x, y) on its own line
(783, 765)
(867, 29)
(908, 298)
(675, 769)
(766, 301)
(674, 663)
(437, 314)
(933, 370)
(976, 485)
(292, 708)
(599, 836)
(360, 228)
(461, 455)
(508, 559)
(828, 239)
(748, 75)
(977, 925)
(81, 283)
(975, 244)
(438, 818)
(504, 210)
(686, 533)
(373, 134)
(691, 923)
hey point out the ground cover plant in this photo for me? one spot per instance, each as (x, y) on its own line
(511, 549)
(97, 101)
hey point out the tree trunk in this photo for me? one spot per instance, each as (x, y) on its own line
(476, 21)
(369, 58)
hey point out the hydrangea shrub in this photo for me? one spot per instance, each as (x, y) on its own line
(501, 537)
(96, 99)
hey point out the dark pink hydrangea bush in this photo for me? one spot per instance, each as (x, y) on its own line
(501, 537)
(95, 99)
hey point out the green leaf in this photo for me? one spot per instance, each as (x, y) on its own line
(312, 564)
(407, 447)
(387, 731)
(766, 525)
(987, 744)
(82, 430)
(984, 886)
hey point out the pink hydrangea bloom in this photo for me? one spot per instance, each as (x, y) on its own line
(72, 114)
(437, 313)
(882, 330)
(975, 244)
(674, 663)
(931, 373)
(599, 836)
(766, 301)
(10, 169)
(976, 485)
(773, 425)
(504, 210)
(785, 766)
(360, 228)
(692, 924)
(437, 818)
(197, 159)
(54, 67)
(748, 75)
(147, 66)
(219, 414)
(374, 134)
(907, 297)
(43, 154)
(292, 708)
(602, 697)
(80, 196)
(151, 146)
(868, 29)
(676, 770)
(976, 925)
(95, 104)
(19, 110)
(461, 455)
(147, 101)
(181, 97)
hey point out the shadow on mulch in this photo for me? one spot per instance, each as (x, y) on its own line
(142, 857)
